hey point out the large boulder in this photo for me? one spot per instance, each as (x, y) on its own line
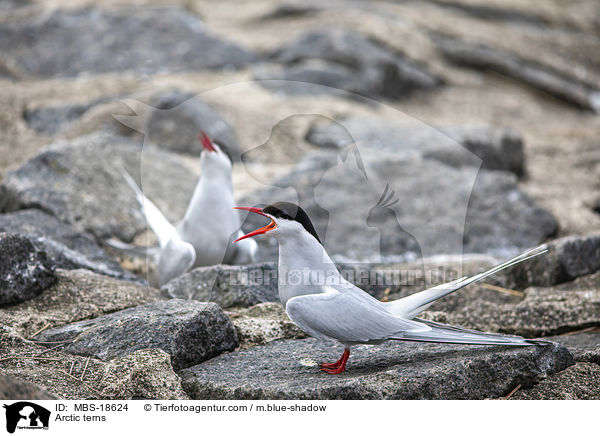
(76, 295)
(189, 331)
(567, 259)
(289, 370)
(25, 271)
(227, 285)
(69, 42)
(80, 182)
(66, 246)
(349, 60)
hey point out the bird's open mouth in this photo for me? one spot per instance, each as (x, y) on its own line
(206, 142)
(271, 226)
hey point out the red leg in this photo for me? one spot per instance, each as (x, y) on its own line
(333, 365)
(337, 367)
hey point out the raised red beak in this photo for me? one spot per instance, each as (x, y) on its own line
(260, 231)
(206, 142)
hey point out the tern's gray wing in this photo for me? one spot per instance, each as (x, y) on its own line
(348, 317)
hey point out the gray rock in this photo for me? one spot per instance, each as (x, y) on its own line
(263, 323)
(11, 5)
(292, 10)
(313, 77)
(500, 215)
(493, 13)
(584, 345)
(289, 370)
(567, 259)
(442, 209)
(80, 183)
(143, 374)
(179, 117)
(145, 40)
(569, 89)
(66, 247)
(54, 119)
(227, 285)
(249, 285)
(378, 69)
(543, 312)
(13, 389)
(76, 295)
(25, 271)
(62, 375)
(496, 148)
(189, 331)
(578, 382)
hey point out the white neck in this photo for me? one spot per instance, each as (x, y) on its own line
(304, 267)
(214, 191)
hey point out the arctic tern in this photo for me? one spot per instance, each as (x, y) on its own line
(341, 311)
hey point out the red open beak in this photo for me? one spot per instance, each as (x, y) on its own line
(206, 142)
(265, 229)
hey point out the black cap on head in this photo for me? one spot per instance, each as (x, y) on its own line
(293, 212)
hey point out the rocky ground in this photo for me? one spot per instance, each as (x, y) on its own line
(482, 116)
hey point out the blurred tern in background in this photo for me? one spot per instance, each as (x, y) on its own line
(210, 222)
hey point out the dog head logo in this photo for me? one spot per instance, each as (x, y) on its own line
(26, 415)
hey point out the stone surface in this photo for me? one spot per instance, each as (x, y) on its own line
(141, 375)
(227, 285)
(567, 259)
(66, 247)
(189, 331)
(476, 55)
(145, 40)
(179, 117)
(496, 148)
(289, 370)
(263, 323)
(54, 119)
(25, 271)
(578, 382)
(543, 312)
(313, 78)
(60, 374)
(584, 345)
(362, 64)
(77, 295)
(13, 389)
(80, 182)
